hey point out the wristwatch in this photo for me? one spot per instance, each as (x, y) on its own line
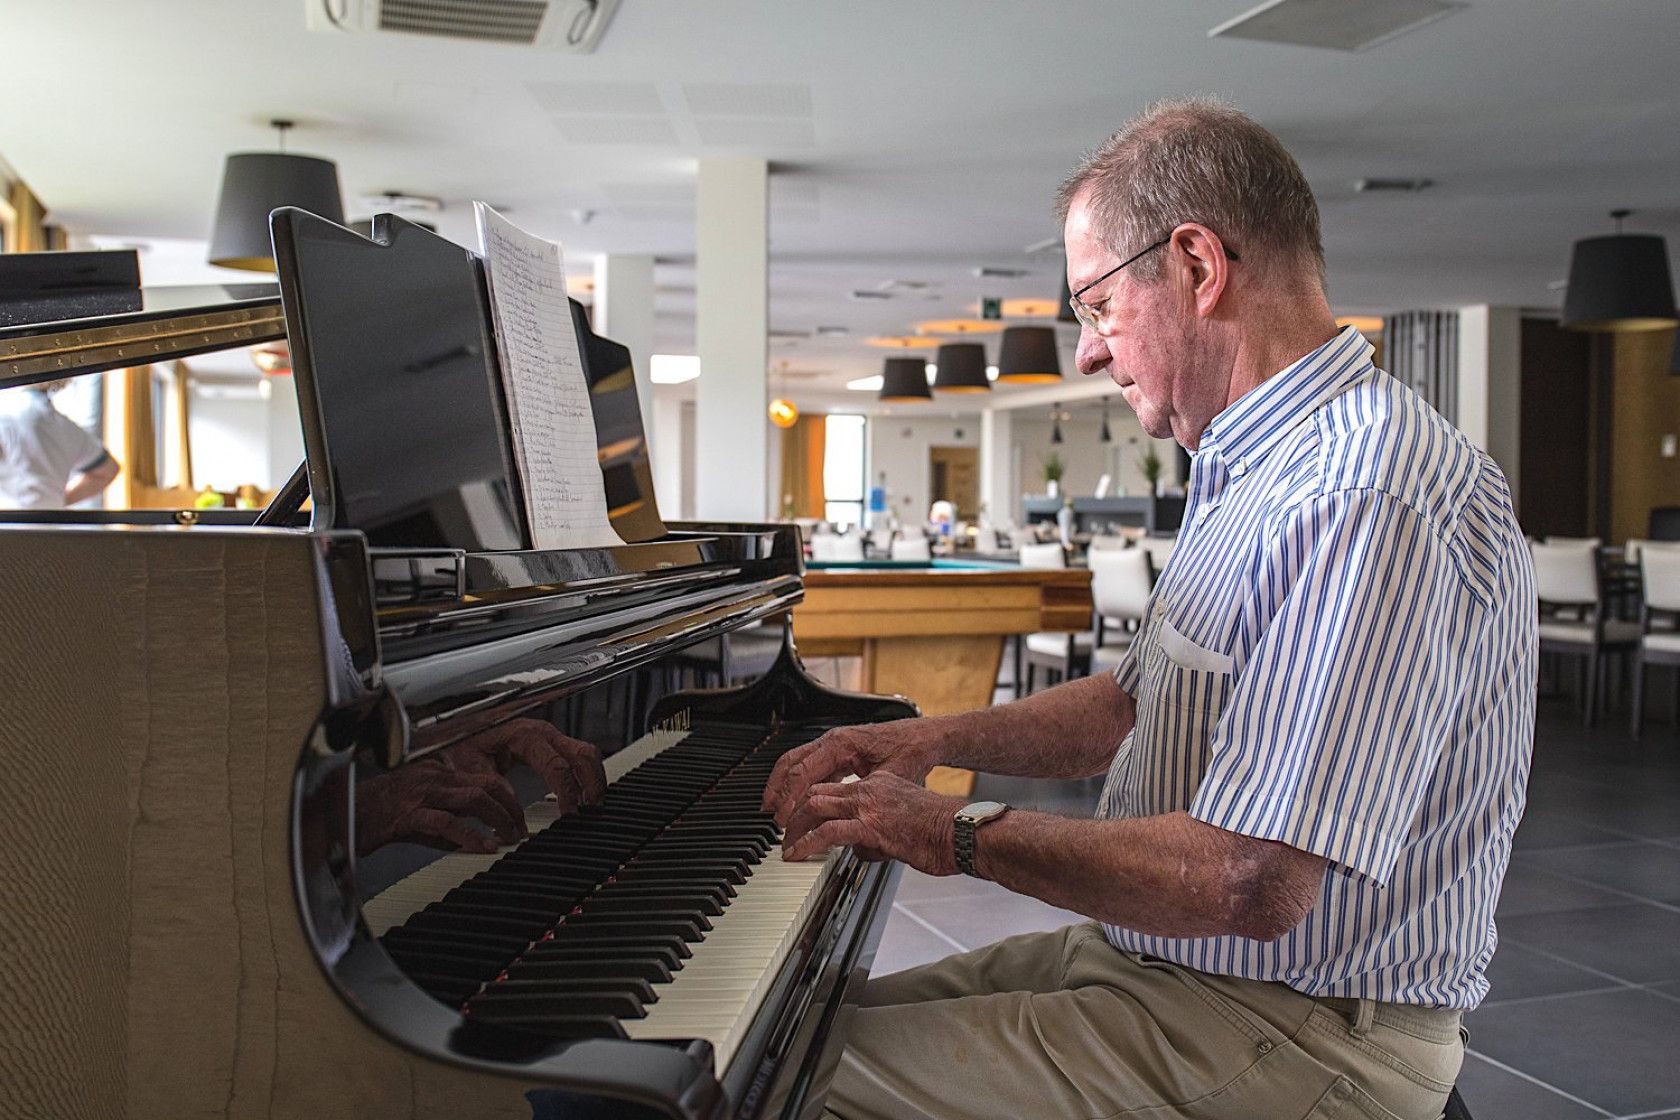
(968, 819)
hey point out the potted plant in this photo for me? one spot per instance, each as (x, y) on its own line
(1150, 465)
(1053, 468)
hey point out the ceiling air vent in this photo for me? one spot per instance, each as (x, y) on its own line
(561, 25)
(1404, 186)
(1342, 25)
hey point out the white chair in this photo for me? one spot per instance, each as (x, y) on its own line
(1584, 542)
(1160, 550)
(848, 547)
(1120, 585)
(880, 541)
(1568, 582)
(912, 548)
(1659, 624)
(985, 540)
(1060, 655)
(1022, 537)
(1107, 542)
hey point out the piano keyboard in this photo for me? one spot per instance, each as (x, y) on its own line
(666, 912)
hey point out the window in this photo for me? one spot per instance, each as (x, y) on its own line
(843, 478)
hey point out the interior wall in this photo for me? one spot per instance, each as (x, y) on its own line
(1645, 409)
(898, 447)
(1085, 457)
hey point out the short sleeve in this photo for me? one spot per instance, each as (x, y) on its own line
(1339, 716)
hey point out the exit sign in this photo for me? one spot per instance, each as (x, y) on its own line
(991, 309)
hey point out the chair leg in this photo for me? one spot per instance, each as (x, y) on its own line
(1016, 639)
(1595, 667)
(1638, 694)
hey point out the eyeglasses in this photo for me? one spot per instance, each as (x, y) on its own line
(1092, 316)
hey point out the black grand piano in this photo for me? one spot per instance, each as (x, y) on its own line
(196, 702)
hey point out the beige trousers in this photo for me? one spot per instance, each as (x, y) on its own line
(1064, 1025)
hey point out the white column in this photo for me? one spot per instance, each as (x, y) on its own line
(998, 486)
(1490, 383)
(732, 308)
(624, 313)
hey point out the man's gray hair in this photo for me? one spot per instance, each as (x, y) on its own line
(1199, 160)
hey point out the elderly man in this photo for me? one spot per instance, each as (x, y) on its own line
(1316, 748)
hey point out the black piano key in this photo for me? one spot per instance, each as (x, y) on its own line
(632, 901)
(652, 970)
(489, 1007)
(638, 988)
(609, 937)
(603, 955)
(689, 927)
(559, 1026)
(470, 922)
(453, 990)
(403, 937)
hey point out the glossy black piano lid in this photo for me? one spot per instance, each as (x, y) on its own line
(404, 422)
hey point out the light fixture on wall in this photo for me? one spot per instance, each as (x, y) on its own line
(783, 413)
(905, 379)
(1105, 436)
(1619, 283)
(1029, 354)
(256, 183)
(962, 368)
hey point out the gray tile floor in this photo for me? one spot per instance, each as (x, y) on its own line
(1583, 1020)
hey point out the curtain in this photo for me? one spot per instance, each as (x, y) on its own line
(1421, 350)
(803, 446)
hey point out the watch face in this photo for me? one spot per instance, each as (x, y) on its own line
(982, 810)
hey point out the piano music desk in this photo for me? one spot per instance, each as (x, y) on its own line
(934, 632)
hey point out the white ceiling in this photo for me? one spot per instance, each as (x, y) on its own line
(908, 140)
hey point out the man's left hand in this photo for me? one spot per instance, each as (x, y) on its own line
(881, 816)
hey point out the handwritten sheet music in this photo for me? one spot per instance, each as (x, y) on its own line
(547, 392)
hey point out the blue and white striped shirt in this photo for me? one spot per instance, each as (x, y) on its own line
(1340, 656)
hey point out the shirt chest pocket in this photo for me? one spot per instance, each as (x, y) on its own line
(1185, 687)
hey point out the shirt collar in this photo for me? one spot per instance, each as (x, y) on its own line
(1254, 424)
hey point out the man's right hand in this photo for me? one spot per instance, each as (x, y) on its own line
(908, 748)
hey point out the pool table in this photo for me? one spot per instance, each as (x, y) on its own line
(934, 631)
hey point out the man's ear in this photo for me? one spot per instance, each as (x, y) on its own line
(1199, 252)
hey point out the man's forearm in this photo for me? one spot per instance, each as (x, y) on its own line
(1171, 875)
(1070, 731)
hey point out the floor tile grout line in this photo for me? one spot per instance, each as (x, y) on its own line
(1621, 986)
(1526, 855)
(1529, 1077)
(930, 927)
(1622, 980)
(1669, 906)
(1645, 1115)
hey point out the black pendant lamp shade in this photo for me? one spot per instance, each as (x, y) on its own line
(1029, 354)
(962, 368)
(257, 183)
(905, 379)
(1064, 311)
(1619, 283)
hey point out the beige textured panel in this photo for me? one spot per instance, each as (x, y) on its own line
(64, 806)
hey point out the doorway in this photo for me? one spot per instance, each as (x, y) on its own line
(955, 474)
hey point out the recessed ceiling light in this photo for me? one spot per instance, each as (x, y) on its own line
(1342, 25)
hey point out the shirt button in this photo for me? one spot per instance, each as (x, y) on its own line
(1203, 514)
(1240, 467)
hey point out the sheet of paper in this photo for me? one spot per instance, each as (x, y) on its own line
(547, 392)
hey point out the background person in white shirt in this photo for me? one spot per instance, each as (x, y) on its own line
(46, 460)
(1316, 747)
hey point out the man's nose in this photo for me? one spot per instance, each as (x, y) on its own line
(1091, 355)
